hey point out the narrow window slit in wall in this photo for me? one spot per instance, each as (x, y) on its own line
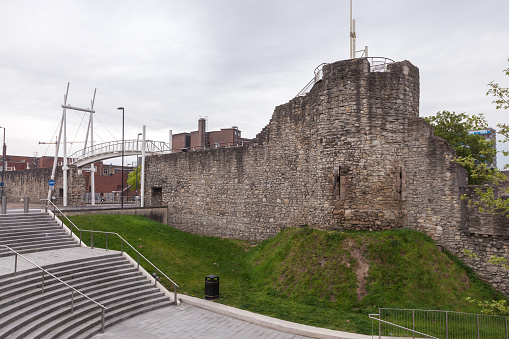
(337, 182)
(400, 177)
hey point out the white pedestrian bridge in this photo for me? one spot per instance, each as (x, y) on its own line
(113, 149)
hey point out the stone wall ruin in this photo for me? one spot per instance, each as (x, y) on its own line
(352, 154)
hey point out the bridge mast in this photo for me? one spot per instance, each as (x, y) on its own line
(65, 166)
(92, 167)
(58, 144)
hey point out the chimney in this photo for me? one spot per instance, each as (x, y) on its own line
(202, 131)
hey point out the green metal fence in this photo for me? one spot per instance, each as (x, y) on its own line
(409, 323)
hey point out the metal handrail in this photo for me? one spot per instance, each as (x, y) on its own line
(134, 145)
(312, 82)
(442, 324)
(122, 240)
(61, 281)
(373, 316)
(213, 146)
(377, 64)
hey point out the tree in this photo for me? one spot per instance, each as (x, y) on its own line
(487, 200)
(501, 101)
(133, 179)
(472, 150)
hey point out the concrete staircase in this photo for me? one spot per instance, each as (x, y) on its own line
(105, 276)
(34, 232)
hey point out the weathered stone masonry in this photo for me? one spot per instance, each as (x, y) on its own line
(351, 154)
(348, 130)
(33, 183)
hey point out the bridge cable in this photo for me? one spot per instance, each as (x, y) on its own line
(79, 127)
(114, 138)
(54, 134)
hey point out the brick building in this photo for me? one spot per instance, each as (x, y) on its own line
(201, 139)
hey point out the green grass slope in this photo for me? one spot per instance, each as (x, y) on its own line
(319, 278)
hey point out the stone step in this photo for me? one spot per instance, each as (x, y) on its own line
(49, 319)
(25, 225)
(92, 328)
(26, 241)
(64, 272)
(41, 249)
(38, 301)
(63, 265)
(35, 287)
(109, 279)
(55, 306)
(91, 312)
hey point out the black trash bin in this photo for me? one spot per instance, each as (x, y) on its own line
(211, 287)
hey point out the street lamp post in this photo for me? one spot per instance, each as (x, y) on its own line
(136, 171)
(122, 192)
(3, 162)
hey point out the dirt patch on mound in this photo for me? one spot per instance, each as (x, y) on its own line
(362, 268)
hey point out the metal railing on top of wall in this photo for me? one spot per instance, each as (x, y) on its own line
(377, 64)
(412, 323)
(44, 272)
(122, 242)
(213, 145)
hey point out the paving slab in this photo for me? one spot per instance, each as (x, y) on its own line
(186, 321)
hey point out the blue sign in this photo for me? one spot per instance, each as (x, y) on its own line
(2, 184)
(51, 182)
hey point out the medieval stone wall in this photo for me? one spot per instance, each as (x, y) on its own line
(331, 159)
(351, 154)
(33, 183)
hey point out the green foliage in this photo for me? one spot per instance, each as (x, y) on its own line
(470, 254)
(502, 102)
(134, 179)
(472, 150)
(494, 307)
(304, 275)
(500, 93)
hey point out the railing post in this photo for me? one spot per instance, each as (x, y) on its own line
(106, 241)
(175, 294)
(80, 237)
(42, 283)
(379, 324)
(138, 260)
(121, 246)
(413, 324)
(477, 326)
(446, 325)
(506, 332)
(102, 320)
(72, 301)
(92, 240)
(15, 263)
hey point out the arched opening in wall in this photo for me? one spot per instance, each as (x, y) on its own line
(157, 196)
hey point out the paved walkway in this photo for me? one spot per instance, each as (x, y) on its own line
(185, 321)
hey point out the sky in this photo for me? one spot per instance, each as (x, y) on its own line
(168, 63)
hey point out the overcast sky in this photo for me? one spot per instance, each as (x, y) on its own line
(170, 62)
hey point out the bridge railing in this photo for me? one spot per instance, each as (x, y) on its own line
(113, 147)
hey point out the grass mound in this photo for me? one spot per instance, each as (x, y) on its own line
(319, 278)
